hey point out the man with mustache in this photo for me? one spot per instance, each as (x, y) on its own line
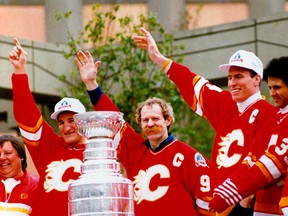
(169, 177)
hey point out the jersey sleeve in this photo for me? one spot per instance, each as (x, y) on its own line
(33, 128)
(125, 141)
(267, 170)
(26, 112)
(204, 98)
(105, 104)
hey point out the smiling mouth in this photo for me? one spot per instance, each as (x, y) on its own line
(4, 165)
(235, 90)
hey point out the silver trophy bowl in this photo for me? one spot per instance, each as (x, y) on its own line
(98, 124)
(101, 189)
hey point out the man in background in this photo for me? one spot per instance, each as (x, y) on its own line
(17, 186)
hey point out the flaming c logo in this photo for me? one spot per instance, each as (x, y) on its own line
(142, 182)
(223, 158)
(55, 171)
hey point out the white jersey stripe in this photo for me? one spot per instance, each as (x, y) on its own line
(202, 204)
(31, 136)
(285, 211)
(14, 209)
(201, 82)
(272, 168)
(264, 214)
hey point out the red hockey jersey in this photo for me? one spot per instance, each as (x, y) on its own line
(57, 164)
(235, 125)
(267, 199)
(269, 170)
(172, 181)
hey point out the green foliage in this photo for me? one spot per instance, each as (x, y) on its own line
(127, 74)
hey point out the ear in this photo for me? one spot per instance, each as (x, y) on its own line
(257, 80)
(168, 121)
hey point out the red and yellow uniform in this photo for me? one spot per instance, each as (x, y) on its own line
(57, 163)
(269, 170)
(235, 124)
(172, 180)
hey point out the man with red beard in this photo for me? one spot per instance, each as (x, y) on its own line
(169, 177)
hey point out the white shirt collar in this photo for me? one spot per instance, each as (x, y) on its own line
(284, 109)
(10, 183)
(249, 101)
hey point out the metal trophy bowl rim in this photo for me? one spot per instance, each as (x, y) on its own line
(97, 121)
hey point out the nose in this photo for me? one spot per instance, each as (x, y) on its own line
(66, 126)
(272, 92)
(2, 156)
(150, 123)
(231, 81)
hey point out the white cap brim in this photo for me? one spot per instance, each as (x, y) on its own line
(225, 67)
(55, 114)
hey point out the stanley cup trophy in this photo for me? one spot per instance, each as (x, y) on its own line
(101, 189)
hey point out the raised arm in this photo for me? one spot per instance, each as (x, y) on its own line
(88, 71)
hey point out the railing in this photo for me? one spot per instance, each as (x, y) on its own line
(205, 50)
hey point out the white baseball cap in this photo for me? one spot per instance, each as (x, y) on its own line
(244, 59)
(68, 104)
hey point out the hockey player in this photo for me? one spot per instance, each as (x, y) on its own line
(235, 116)
(57, 158)
(267, 170)
(169, 177)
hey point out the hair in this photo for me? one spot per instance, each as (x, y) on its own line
(278, 68)
(18, 145)
(253, 73)
(63, 112)
(167, 109)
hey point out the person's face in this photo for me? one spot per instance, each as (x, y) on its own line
(10, 162)
(278, 91)
(241, 84)
(153, 124)
(68, 129)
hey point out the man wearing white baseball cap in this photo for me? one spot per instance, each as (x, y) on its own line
(235, 115)
(240, 62)
(244, 59)
(57, 158)
(68, 105)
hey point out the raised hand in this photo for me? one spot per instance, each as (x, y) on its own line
(88, 69)
(18, 58)
(148, 43)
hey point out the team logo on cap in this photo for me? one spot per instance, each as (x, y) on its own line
(64, 104)
(237, 57)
